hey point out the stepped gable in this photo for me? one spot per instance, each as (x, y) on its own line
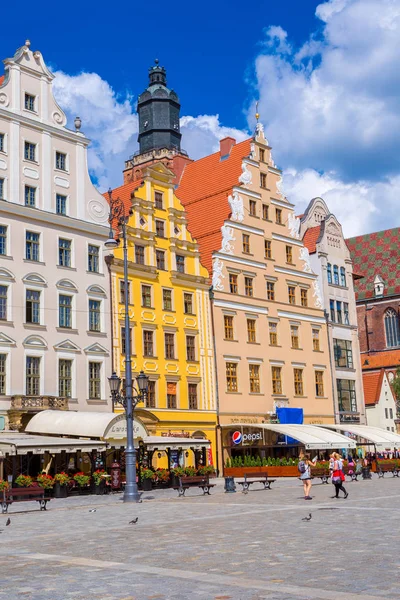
(204, 189)
(375, 254)
(124, 192)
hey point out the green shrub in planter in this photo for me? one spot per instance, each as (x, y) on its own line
(24, 480)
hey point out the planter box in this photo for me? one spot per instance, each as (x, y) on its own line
(272, 471)
(147, 485)
(60, 491)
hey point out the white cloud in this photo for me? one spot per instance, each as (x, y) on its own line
(201, 135)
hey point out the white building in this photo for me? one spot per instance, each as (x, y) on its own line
(329, 257)
(55, 343)
(379, 401)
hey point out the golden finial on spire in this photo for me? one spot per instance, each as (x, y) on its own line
(257, 113)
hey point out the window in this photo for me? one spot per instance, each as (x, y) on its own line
(386, 414)
(263, 180)
(294, 334)
(65, 311)
(3, 302)
(32, 376)
(192, 393)
(160, 260)
(292, 294)
(30, 196)
(391, 412)
(64, 252)
(315, 340)
(276, 380)
(298, 382)
(346, 313)
(65, 378)
(289, 254)
(190, 347)
(268, 248)
(3, 359)
(32, 246)
(30, 151)
(246, 243)
(123, 340)
(139, 255)
(61, 204)
(278, 216)
(228, 327)
(158, 200)
(231, 377)
(343, 276)
(346, 389)
(122, 291)
(188, 303)
(180, 263)
(335, 274)
(251, 331)
(265, 212)
(273, 334)
(151, 395)
(146, 296)
(262, 155)
(3, 239)
(270, 290)
(248, 286)
(392, 328)
(160, 228)
(1, 188)
(30, 102)
(93, 258)
(94, 315)
(319, 384)
(169, 345)
(94, 380)
(253, 208)
(303, 297)
(32, 309)
(332, 310)
(2, 142)
(167, 299)
(343, 354)
(233, 283)
(254, 375)
(171, 395)
(339, 315)
(61, 161)
(148, 346)
(329, 272)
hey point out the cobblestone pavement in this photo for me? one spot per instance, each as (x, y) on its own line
(226, 546)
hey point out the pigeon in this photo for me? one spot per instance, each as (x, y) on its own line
(92, 510)
(134, 521)
(8, 522)
(307, 518)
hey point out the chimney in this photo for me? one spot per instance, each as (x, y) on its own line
(225, 146)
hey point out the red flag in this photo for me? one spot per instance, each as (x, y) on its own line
(210, 458)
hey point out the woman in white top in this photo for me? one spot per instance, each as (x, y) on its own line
(304, 467)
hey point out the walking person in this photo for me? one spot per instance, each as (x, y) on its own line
(338, 475)
(304, 468)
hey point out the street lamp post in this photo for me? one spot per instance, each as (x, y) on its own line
(126, 398)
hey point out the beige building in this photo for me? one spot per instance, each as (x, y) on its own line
(330, 258)
(55, 344)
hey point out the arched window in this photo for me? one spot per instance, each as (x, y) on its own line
(392, 328)
(335, 275)
(329, 271)
(343, 276)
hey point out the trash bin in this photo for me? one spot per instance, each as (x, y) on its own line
(366, 473)
(230, 485)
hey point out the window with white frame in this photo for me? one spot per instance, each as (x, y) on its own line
(94, 315)
(3, 302)
(3, 374)
(30, 196)
(64, 252)
(32, 246)
(93, 258)
(61, 204)
(65, 378)
(65, 311)
(29, 102)
(61, 161)
(30, 151)
(1, 189)
(122, 291)
(94, 380)
(33, 375)
(3, 240)
(32, 307)
(2, 142)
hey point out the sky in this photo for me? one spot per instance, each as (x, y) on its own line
(325, 74)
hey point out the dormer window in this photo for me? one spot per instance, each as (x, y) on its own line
(30, 102)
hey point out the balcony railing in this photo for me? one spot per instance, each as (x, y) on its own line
(36, 403)
(349, 417)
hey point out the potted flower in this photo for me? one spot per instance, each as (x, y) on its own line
(175, 474)
(46, 482)
(147, 477)
(190, 471)
(61, 481)
(162, 476)
(82, 480)
(99, 480)
(206, 470)
(24, 481)
(4, 485)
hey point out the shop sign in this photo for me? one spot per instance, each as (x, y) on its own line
(118, 430)
(249, 420)
(241, 438)
(177, 434)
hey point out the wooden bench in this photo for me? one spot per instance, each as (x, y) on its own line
(321, 472)
(381, 469)
(250, 478)
(201, 481)
(354, 475)
(23, 495)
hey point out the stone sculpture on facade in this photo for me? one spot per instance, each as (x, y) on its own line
(236, 204)
(245, 177)
(294, 226)
(305, 257)
(317, 295)
(218, 276)
(227, 238)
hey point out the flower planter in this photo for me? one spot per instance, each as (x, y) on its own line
(84, 490)
(99, 488)
(60, 491)
(147, 485)
(291, 471)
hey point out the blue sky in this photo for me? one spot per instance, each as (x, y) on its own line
(325, 73)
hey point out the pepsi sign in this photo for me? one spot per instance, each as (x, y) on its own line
(238, 437)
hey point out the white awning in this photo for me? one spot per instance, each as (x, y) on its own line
(155, 442)
(381, 438)
(13, 444)
(313, 437)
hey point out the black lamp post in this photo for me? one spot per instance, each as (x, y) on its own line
(119, 219)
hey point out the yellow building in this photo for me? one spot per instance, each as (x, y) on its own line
(169, 314)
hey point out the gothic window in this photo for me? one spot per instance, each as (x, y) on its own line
(392, 328)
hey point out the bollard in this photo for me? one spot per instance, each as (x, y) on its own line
(230, 486)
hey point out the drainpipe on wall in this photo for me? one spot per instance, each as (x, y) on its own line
(218, 433)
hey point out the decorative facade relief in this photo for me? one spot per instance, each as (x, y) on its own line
(317, 295)
(98, 211)
(294, 226)
(271, 160)
(260, 135)
(279, 187)
(245, 177)
(227, 238)
(253, 152)
(305, 257)
(218, 276)
(236, 204)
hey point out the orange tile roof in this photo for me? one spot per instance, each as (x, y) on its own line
(378, 360)
(124, 193)
(372, 383)
(310, 238)
(204, 189)
(2, 79)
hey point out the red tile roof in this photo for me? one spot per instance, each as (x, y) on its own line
(372, 383)
(2, 79)
(310, 238)
(204, 189)
(376, 254)
(378, 360)
(124, 193)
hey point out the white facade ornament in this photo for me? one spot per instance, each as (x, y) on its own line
(271, 160)
(294, 226)
(236, 204)
(218, 276)
(279, 187)
(98, 211)
(227, 238)
(253, 151)
(245, 177)
(305, 257)
(317, 295)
